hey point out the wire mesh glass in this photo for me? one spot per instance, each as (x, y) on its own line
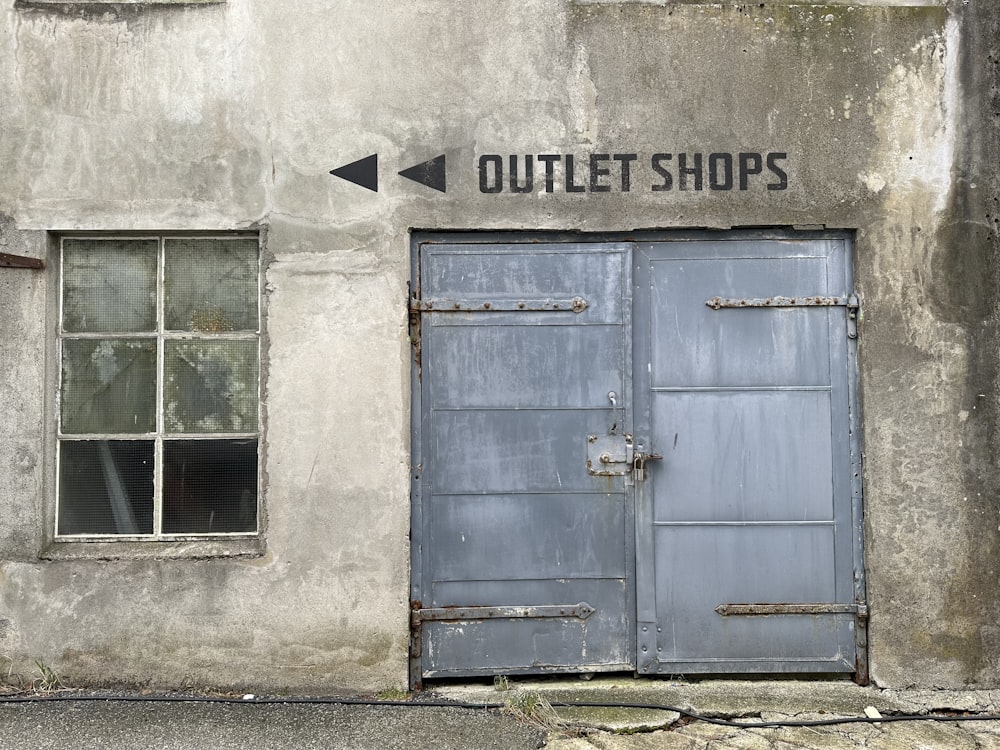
(109, 285)
(209, 486)
(144, 354)
(210, 285)
(108, 386)
(105, 487)
(210, 386)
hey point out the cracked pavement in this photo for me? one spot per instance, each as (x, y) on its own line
(760, 702)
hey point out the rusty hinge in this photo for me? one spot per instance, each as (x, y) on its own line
(823, 608)
(454, 614)
(20, 261)
(717, 303)
(851, 301)
(574, 304)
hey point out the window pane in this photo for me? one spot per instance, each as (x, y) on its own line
(109, 285)
(209, 486)
(108, 386)
(106, 487)
(210, 285)
(210, 386)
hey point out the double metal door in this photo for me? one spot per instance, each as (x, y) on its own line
(635, 456)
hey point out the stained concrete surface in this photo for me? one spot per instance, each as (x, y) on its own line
(908, 713)
(187, 725)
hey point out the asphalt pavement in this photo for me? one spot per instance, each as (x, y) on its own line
(118, 725)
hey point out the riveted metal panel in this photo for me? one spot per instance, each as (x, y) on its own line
(750, 406)
(523, 355)
(535, 494)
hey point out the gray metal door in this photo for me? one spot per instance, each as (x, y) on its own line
(748, 530)
(715, 528)
(521, 552)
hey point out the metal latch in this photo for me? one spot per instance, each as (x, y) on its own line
(609, 455)
(639, 464)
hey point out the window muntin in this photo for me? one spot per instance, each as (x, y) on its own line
(158, 388)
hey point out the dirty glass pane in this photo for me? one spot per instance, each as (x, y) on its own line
(109, 285)
(210, 285)
(210, 386)
(209, 486)
(106, 487)
(108, 386)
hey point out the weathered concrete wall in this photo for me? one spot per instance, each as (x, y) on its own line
(931, 402)
(231, 115)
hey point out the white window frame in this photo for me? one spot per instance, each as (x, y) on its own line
(160, 435)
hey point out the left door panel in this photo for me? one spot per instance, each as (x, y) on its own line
(521, 554)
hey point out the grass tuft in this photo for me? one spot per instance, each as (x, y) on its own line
(48, 681)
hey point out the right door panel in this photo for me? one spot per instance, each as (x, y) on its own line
(745, 542)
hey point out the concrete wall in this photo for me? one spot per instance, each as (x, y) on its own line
(230, 116)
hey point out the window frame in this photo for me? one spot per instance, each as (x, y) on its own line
(157, 543)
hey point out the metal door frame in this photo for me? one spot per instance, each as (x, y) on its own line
(417, 554)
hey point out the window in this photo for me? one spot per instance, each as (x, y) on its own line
(158, 387)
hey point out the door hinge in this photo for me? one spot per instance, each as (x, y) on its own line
(853, 311)
(573, 304)
(822, 608)
(581, 611)
(851, 301)
(20, 261)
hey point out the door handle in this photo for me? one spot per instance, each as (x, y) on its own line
(613, 398)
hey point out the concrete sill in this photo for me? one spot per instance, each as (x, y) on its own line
(86, 3)
(172, 550)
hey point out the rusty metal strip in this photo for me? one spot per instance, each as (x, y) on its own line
(20, 261)
(453, 614)
(861, 675)
(575, 304)
(418, 616)
(860, 612)
(717, 303)
(751, 610)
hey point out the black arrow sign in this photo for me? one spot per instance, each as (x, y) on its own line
(430, 173)
(363, 172)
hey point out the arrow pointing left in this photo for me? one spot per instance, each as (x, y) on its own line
(430, 173)
(363, 172)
